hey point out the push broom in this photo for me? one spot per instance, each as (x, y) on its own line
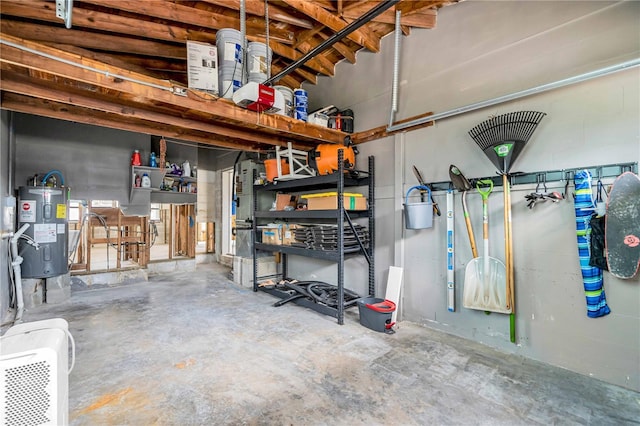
(502, 139)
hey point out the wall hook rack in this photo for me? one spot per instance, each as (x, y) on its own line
(564, 175)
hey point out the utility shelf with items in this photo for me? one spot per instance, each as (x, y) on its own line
(338, 222)
(139, 194)
(176, 189)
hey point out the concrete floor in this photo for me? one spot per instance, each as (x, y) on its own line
(195, 349)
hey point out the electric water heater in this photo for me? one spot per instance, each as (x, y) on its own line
(45, 250)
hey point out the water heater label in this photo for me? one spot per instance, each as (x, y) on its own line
(61, 211)
(27, 211)
(44, 233)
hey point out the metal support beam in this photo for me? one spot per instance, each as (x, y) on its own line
(372, 13)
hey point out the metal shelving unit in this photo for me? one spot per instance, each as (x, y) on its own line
(336, 181)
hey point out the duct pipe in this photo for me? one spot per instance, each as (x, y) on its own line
(396, 69)
(517, 95)
(372, 13)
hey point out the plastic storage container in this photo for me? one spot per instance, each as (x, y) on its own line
(146, 181)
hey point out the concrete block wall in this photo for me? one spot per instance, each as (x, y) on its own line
(5, 314)
(481, 50)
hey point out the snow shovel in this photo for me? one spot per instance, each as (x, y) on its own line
(485, 281)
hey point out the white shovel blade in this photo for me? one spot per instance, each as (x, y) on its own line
(486, 292)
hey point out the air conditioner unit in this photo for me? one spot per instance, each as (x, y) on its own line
(35, 374)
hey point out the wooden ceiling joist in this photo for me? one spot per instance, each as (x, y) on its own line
(171, 11)
(156, 91)
(256, 7)
(44, 108)
(318, 64)
(381, 131)
(416, 6)
(89, 40)
(343, 49)
(362, 35)
(96, 20)
(422, 19)
(93, 103)
(123, 63)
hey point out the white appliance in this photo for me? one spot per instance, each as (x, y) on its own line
(34, 373)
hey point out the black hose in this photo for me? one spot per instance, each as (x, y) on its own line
(319, 292)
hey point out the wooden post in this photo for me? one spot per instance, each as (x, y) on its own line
(211, 229)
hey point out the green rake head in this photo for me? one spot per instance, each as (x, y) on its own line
(503, 137)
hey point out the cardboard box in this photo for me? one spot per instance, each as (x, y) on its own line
(329, 201)
(272, 234)
(285, 200)
(288, 234)
(279, 234)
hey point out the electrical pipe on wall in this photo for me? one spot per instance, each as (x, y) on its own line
(517, 95)
(396, 69)
(243, 35)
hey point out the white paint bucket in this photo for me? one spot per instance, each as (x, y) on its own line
(258, 62)
(228, 87)
(230, 61)
(288, 100)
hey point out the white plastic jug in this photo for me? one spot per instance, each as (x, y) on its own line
(186, 169)
(146, 181)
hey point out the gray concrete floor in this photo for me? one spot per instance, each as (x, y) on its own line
(195, 349)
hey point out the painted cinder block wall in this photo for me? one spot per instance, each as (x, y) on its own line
(481, 50)
(5, 314)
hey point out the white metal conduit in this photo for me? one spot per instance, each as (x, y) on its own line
(396, 69)
(175, 89)
(517, 95)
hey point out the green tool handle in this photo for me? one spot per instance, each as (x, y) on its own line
(488, 183)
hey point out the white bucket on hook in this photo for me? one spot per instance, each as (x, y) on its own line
(230, 61)
(258, 61)
(287, 94)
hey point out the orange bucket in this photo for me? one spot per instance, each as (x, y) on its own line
(271, 167)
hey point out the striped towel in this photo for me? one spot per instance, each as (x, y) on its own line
(591, 275)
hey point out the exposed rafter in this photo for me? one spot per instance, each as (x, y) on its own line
(362, 36)
(135, 54)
